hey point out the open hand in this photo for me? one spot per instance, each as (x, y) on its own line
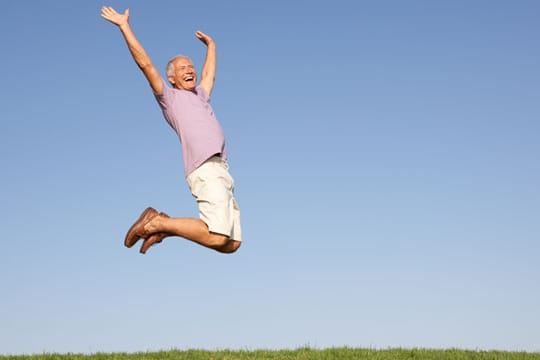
(204, 38)
(109, 14)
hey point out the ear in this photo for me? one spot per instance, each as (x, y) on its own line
(171, 80)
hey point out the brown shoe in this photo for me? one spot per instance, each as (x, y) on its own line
(137, 229)
(154, 238)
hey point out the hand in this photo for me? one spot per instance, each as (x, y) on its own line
(207, 40)
(109, 14)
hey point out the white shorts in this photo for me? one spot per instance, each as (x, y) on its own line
(213, 187)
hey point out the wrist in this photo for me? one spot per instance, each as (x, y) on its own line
(123, 26)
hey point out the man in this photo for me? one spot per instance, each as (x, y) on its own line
(185, 107)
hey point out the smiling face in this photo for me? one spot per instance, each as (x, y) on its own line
(184, 76)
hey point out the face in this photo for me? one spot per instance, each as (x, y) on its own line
(185, 76)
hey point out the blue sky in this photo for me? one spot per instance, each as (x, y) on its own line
(386, 164)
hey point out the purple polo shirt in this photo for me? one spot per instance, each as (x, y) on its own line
(191, 116)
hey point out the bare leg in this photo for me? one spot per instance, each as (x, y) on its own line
(192, 229)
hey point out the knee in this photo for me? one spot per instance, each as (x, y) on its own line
(228, 246)
(232, 246)
(217, 240)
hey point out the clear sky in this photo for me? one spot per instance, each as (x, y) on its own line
(386, 158)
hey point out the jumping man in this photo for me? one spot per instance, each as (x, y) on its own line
(186, 108)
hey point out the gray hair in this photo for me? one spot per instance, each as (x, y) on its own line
(170, 65)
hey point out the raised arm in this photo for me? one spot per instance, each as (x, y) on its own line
(137, 51)
(208, 74)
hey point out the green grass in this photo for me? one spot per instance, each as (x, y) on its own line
(298, 354)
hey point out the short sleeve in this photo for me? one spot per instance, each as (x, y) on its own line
(164, 98)
(201, 93)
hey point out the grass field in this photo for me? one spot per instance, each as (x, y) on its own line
(298, 354)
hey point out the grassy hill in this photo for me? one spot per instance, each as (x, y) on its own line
(298, 354)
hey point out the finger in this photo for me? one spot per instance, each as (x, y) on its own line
(107, 11)
(106, 16)
(112, 11)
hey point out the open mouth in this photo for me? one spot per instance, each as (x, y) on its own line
(189, 78)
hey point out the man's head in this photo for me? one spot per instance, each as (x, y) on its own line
(181, 73)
